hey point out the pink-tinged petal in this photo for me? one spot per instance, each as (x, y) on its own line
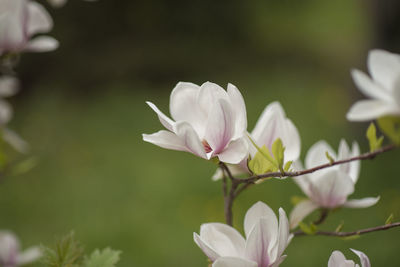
(331, 189)
(165, 139)
(233, 262)
(209, 94)
(279, 261)
(222, 239)
(300, 211)
(235, 152)
(38, 19)
(337, 259)
(190, 138)
(369, 87)
(259, 242)
(304, 183)
(291, 141)
(361, 203)
(255, 213)
(283, 235)
(384, 68)
(366, 110)
(184, 107)
(352, 168)
(15, 141)
(9, 86)
(12, 19)
(220, 126)
(165, 121)
(42, 44)
(29, 255)
(9, 247)
(316, 154)
(363, 258)
(237, 101)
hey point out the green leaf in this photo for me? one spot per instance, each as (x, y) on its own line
(374, 142)
(278, 151)
(339, 227)
(105, 258)
(308, 229)
(264, 151)
(389, 220)
(390, 126)
(352, 237)
(260, 165)
(287, 166)
(329, 157)
(297, 199)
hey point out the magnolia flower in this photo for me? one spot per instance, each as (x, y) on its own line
(208, 122)
(329, 188)
(8, 87)
(271, 125)
(265, 240)
(337, 259)
(383, 87)
(60, 3)
(10, 254)
(20, 20)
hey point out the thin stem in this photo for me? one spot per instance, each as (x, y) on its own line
(353, 233)
(229, 197)
(323, 215)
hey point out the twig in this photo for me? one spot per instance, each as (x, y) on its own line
(322, 217)
(353, 233)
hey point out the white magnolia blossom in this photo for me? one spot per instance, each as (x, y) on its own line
(10, 253)
(337, 259)
(207, 121)
(20, 20)
(271, 125)
(383, 87)
(329, 188)
(60, 3)
(8, 87)
(265, 242)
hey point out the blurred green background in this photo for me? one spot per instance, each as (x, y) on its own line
(82, 108)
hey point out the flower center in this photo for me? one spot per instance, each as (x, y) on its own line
(206, 146)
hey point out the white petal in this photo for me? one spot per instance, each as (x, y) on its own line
(29, 255)
(233, 262)
(190, 138)
(369, 88)
(8, 86)
(39, 20)
(183, 106)
(300, 211)
(384, 67)
(209, 94)
(283, 235)
(365, 110)
(259, 243)
(278, 261)
(5, 112)
(15, 141)
(206, 248)
(42, 44)
(352, 168)
(304, 183)
(235, 152)
(12, 21)
(165, 139)
(292, 142)
(361, 203)
(165, 121)
(222, 239)
(9, 246)
(239, 109)
(337, 259)
(316, 154)
(363, 258)
(220, 126)
(255, 213)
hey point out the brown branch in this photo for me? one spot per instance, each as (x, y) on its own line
(322, 217)
(353, 233)
(229, 197)
(369, 155)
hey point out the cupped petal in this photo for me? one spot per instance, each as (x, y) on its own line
(220, 126)
(29, 255)
(369, 88)
(239, 109)
(233, 262)
(384, 67)
(292, 142)
(184, 107)
(337, 259)
(316, 154)
(351, 168)
(8, 86)
(235, 152)
(366, 110)
(283, 235)
(255, 213)
(165, 120)
(222, 239)
(300, 211)
(166, 139)
(209, 94)
(279, 261)
(42, 44)
(260, 241)
(38, 19)
(190, 138)
(12, 20)
(206, 248)
(361, 203)
(363, 258)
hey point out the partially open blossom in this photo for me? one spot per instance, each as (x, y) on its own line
(20, 21)
(10, 253)
(208, 122)
(266, 240)
(271, 125)
(383, 87)
(329, 188)
(337, 259)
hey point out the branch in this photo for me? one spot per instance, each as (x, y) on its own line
(354, 233)
(369, 155)
(229, 197)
